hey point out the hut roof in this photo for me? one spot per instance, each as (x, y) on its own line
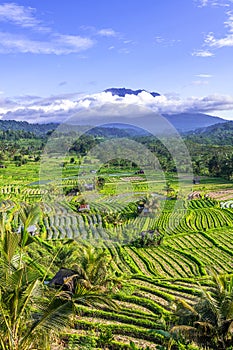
(61, 275)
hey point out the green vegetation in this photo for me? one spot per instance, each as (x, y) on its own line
(112, 256)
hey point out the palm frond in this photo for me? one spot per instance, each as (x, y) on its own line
(230, 328)
(32, 292)
(54, 316)
(9, 245)
(29, 214)
(185, 308)
(183, 329)
(92, 297)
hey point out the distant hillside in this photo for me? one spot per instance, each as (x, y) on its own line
(37, 129)
(125, 129)
(219, 134)
(183, 122)
(191, 121)
(109, 132)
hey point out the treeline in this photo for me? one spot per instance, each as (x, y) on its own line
(13, 135)
(208, 157)
(37, 129)
(213, 160)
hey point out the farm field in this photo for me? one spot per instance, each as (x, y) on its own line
(160, 236)
(197, 238)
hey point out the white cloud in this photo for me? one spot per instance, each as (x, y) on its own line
(220, 4)
(21, 16)
(205, 76)
(166, 41)
(46, 42)
(227, 40)
(218, 43)
(159, 39)
(56, 44)
(104, 32)
(108, 32)
(229, 22)
(202, 53)
(76, 43)
(214, 3)
(202, 3)
(59, 108)
(211, 41)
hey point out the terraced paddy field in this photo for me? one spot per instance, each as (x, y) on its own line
(197, 238)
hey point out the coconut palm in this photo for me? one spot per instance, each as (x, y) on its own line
(93, 267)
(31, 314)
(20, 297)
(23, 298)
(210, 321)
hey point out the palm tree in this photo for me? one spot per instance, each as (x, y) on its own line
(210, 321)
(21, 298)
(93, 267)
(31, 314)
(25, 309)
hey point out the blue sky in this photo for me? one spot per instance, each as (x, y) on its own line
(53, 51)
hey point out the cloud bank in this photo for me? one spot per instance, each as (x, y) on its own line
(61, 107)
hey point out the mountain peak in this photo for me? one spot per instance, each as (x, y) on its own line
(121, 92)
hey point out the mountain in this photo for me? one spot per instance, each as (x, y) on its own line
(219, 134)
(140, 108)
(144, 112)
(184, 122)
(121, 92)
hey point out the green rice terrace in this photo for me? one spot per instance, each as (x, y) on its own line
(130, 261)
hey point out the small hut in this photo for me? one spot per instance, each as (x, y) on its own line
(63, 279)
(84, 207)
